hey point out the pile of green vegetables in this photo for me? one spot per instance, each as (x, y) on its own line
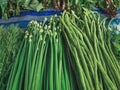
(13, 7)
(41, 63)
(66, 53)
(10, 39)
(109, 6)
(88, 47)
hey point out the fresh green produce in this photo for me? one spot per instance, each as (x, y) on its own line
(115, 39)
(109, 6)
(3, 6)
(33, 5)
(117, 3)
(41, 63)
(10, 39)
(89, 50)
(13, 7)
(79, 4)
(70, 52)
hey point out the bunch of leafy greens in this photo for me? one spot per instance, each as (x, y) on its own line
(115, 39)
(10, 39)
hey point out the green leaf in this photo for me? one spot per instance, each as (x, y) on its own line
(37, 7)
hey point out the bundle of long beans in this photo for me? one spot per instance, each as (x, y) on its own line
(41, 63)
(88, 48)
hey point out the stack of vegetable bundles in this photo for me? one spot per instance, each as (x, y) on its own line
(90, 52)
(41, 63)
(66, 52)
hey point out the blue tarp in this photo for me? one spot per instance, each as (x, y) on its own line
(26, 16)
